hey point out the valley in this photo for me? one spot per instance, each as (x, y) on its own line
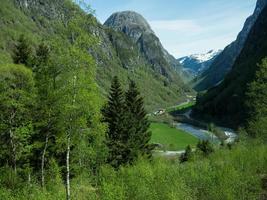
(116, 100)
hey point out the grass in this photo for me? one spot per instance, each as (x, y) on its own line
(171, 138)
(181, 107)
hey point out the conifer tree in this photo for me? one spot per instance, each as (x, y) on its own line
(137, 124)
(114, 116)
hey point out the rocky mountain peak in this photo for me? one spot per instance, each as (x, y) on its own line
(131, 23)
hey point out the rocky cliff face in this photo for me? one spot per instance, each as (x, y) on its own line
(225, 61)
(129, 22)
(137, 28)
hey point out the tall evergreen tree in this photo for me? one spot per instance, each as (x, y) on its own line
(137, 123)
(114, 116)
(23, 52)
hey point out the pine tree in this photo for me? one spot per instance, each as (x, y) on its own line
(137, 124)
(114, 116)
(22, 52)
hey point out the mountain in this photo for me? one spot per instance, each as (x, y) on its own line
(227, 101)
(198, 63)
(137, 28)
(115, 53)
(225, 61)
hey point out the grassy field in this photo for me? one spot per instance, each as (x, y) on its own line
(181, 107)
(172, 138)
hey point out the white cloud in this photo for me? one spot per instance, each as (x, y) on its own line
(175, 25)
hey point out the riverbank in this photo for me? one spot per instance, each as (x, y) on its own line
(182, 121)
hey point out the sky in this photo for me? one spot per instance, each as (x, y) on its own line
(185, 27)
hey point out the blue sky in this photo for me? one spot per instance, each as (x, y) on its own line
(185, 26)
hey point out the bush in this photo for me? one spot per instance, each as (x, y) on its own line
(205, 147)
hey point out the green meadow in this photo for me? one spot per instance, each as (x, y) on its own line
(171, 138)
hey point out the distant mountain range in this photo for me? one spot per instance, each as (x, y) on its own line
(225, 61)
(197, 63)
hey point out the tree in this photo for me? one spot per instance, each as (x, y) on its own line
(17, 99)
(137, 124)
(79, 103)
(46, 109)
(205, 147)
(256, 102)
(22, 53)
(114, 116)
(186, 155)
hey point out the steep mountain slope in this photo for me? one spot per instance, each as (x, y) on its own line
(226, 102)
(224, 62)
(198, 63)
(138, 29)
(115, 53)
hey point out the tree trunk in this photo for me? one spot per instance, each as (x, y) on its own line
(68, 141)
(29, 178)
(43, 160)
(68, 168)
(12, 142)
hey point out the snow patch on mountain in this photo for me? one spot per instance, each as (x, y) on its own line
(201, 57)
(197, 63)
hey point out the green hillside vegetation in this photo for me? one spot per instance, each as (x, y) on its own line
(238, 174)
(114, 52)
(171, 138)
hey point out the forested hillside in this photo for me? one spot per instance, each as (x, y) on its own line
(114, 52)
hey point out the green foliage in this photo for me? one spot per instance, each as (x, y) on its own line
(205, 147)
(17, 101)
(186, 156)
(114, 116)
(128, 135)
(137, 124)
(256, 102)
(223, 175)
(22, 52)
